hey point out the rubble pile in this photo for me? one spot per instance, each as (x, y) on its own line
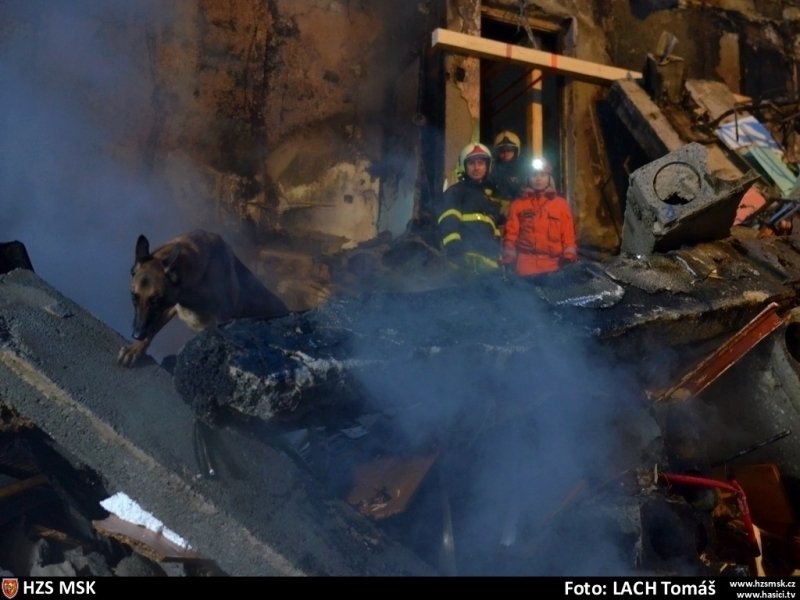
(430, 423)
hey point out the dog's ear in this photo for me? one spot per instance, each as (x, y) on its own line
(171, 265)
(142, 249)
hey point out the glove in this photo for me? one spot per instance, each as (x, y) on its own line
(569, 258)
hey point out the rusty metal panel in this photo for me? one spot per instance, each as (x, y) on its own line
(386, 486)
(727, 355)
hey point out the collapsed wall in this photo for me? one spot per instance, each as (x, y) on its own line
(57, 369)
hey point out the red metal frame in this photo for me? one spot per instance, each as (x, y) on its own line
(727, 355)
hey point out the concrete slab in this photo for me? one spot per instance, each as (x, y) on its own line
(648, 125)
(57, 368)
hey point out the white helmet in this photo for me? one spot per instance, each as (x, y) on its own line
(507, 140)
(475, 150)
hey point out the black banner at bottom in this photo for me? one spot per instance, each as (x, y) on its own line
(551, 587)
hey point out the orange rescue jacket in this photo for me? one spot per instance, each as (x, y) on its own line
(539, 233)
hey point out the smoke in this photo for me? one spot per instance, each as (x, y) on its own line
(74, 110)
(526, 411)
(522, 408)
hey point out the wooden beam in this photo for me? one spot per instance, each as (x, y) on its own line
(506, 15)
(535, 115)
(582, 70)
(20, 486)
(153, 545)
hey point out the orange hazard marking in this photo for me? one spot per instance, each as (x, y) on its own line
(554, 60)
(509, 49)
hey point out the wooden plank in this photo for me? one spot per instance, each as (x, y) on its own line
(149, 543)
(18, 487)
(581, 70)
(719, 165)
(506, 15)
(714, 96)
(55, 535)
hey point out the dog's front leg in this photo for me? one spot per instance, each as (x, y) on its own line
(129, 355)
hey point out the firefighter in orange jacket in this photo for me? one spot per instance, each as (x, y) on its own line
(539, 234)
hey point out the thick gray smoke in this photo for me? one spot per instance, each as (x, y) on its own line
(74, 103)
(525, 411)
(521, 408)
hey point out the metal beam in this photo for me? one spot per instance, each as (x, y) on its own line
(581, 70)
(723, 358)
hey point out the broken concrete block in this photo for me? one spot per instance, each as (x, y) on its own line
(130, 426)
(340, 353)
(674, 201)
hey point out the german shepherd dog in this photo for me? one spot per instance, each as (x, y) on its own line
(198, 277)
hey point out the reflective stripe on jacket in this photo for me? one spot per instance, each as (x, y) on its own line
(469, 223)
(539, 234)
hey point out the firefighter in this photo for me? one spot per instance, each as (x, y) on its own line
(469, 224)
(539, 235)
(507, 177)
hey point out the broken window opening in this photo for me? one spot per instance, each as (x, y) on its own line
(521, 98)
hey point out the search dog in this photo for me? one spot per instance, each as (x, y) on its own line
(198, 277)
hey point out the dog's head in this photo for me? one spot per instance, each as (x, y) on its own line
(154, 287)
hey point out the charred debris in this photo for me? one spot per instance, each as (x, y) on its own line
(631, 414)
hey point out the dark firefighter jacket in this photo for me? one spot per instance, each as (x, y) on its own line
(470, 226)
(506, 180)
(539, 234)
